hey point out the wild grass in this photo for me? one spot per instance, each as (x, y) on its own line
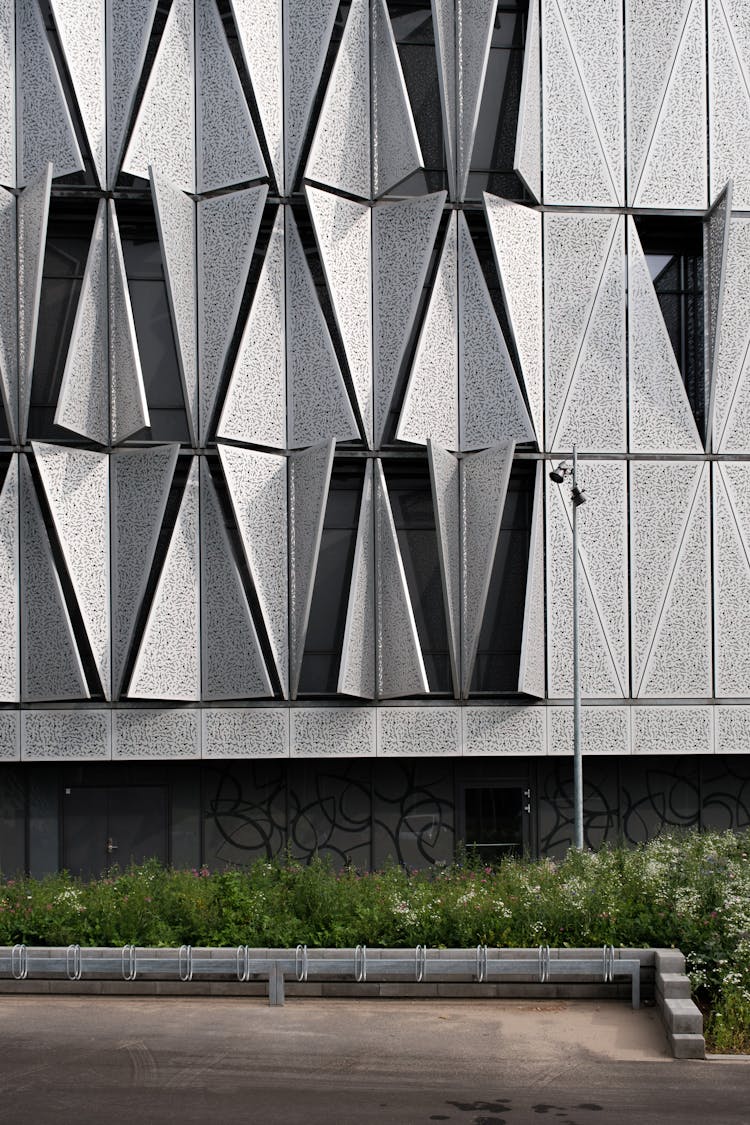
(688, 890)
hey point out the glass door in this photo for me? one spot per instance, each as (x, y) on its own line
(495, 820)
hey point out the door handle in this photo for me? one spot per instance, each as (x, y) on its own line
(111, 846)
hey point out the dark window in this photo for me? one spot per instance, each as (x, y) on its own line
(493, 822)
(415, 40)
(325, 631)
(495, 141)
(69, 230)
(499, 652)
(153, 324)
(413, 515)
(674, 253)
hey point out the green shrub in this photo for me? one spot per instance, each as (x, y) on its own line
(690, 890)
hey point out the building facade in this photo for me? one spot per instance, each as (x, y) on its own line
(301, 302)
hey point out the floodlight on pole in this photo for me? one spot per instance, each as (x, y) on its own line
(577, 497)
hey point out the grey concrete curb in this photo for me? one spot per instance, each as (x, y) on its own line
(662, 975)
(682, 1019)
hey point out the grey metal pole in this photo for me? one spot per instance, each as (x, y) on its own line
(577, 760)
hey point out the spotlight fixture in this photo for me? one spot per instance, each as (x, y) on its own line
(578, 496)
(559, 474)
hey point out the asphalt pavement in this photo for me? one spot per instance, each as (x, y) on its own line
(497, 1062)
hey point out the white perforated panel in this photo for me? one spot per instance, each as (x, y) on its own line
(76, 483)
(257, 484)
(168, 662)
(514, 731)
(238, 732)
(410, 732)
(255, 409)
(64, 736)
(83, 402)
(357, 670)
(81, 32)
(333, 732)
(161, 735)
(9, 607)
(227, 230)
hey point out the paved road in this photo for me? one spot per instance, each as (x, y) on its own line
(117, 1061)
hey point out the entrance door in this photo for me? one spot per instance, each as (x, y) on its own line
(104, 827)
(495, 820)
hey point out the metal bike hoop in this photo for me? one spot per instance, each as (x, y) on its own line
(481, 972)
(73, 962)
(129, 962)
(420, 963)
(608, 960)
(19, 962)
(185, 962)
(360, 964)
(543, 964)
(243, 963)
(301, 962)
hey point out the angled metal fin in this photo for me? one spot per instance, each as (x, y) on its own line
(484, 486)
(33, 212)
(8, 95)
(343, 233)
(168, 663)
(660, 416)
(395, 145)
(715, 251)
(127, 393)
(400, 665)
(446, 501)
(45, 131)
(531, 668)
(307, 32)
(82, 38)
(9, 589)
(128, 32)
(491, 406)
(175, 218)
(232, 661)
(430, 407)
(255, 410)
(475, 24)
(9, 314)
(340, 153)
(516, 236)
(260, 32)
(403, 235)
(527, 161)
(257, 484)
(309, 478)
(227, 230)
(357, 673)
(226, 142)
(444, 26)
(140, 480)
(317, 400)
(76, 483)
(51, 665)
(83, 401)
(164, 130)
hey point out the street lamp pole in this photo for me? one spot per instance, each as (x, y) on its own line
(577, 758)
(558, 475)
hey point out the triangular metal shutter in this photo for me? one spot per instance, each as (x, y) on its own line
(484, 486)
(9, 589)
(400, 665)
(255, 410)
(76, 483)
(257, 484)
(83, 402)
(168, 662)
(227, 230)
(357, 672)
(51, 666)
(232, 664)
(140, 481)
(309, 478)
